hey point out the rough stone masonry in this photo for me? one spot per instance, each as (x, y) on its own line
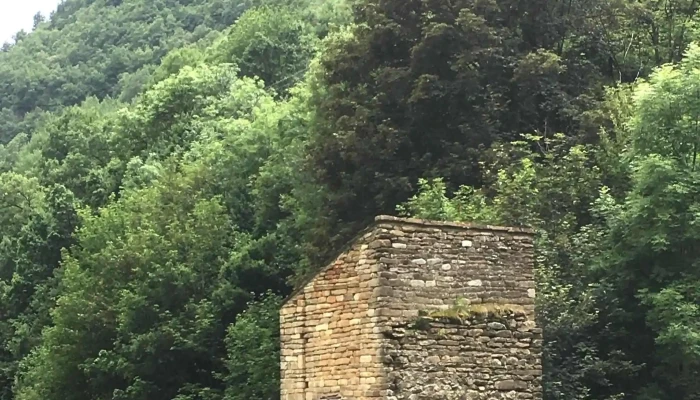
(385, 319)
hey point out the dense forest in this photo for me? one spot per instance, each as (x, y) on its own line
(170, 169)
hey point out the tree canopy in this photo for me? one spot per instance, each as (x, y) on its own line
(170, 170)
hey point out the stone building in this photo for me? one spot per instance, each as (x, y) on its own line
(417, 310)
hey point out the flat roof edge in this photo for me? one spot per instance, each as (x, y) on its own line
(457, 225)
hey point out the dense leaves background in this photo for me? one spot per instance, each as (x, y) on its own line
(170, 169)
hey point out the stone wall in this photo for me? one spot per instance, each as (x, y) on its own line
(344, 333)
(329, 341)
(427, 265)
(481, 358)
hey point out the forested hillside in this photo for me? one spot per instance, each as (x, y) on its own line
(170, 169)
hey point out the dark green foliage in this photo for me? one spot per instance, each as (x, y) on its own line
(12, 125)
(76, 150)
(420, 88)
(253, 352)
(36, 223)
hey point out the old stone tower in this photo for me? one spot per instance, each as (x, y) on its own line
(385, 319)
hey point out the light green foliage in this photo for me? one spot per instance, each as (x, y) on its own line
(273, 44)
(166, 299)
(328, 16)
(176, 60)
(194, 203)
(557, 178)
(432, 202)
(177, 111)
(185, 240)
(549, 189)
(12, 125)
(88, 45)
(650, 261)
(10, 153)
(669, 103)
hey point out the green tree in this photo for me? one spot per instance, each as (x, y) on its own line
(169, 260)
(87, 47)
(552, 190)
(75, 150)
(650, 258)
(36, 223)
(419, 88)
(253, 353)
(165, 299)
(273, 44)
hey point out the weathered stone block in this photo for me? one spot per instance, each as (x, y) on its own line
(511, 385)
